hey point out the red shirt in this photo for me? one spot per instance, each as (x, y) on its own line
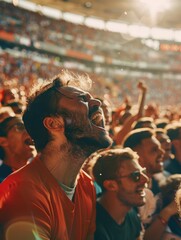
(33, 193)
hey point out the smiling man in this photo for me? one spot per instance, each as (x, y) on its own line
(52, 198)
(144, 142)
(123, 182)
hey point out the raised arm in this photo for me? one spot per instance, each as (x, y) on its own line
(127, 126)
(159, 224)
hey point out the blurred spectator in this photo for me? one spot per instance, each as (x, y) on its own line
(168, 189)
(127, 125)
(6, 112)
(174, 133)
(151, 110)
(166, 145)
(165, 142)
(144, 142)
(17, 106)
(16, 147)
(144, 122)
(178, 200)
(161, 122)
(9, 95)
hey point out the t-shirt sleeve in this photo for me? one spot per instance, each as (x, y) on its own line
(21, 209)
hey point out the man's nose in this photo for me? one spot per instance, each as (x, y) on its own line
(144, 178)
(94, 102)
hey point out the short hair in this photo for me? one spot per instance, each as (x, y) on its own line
(6, 111)
(5, 124)
(174, 131)
(140, 123)
(43, 102)
(108, 163)
(160, 131)
(17, 106)
(4, 127)
(162, 123)
(135, 137)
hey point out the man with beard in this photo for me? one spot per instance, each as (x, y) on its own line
(144, 142)
(123, 183)
(52, 198)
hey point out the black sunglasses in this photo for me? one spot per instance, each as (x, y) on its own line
(136, 175)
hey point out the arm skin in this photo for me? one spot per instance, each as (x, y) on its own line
(127, 126)
(157, 228)
(125, 129)
(141, 99)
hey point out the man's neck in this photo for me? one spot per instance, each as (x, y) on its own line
(63, 163)
(114, 207)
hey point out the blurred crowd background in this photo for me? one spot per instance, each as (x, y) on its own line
(34, 47)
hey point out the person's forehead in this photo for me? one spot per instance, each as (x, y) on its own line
(71, 92)
(162, 137)
(152, 141)
(129, 166)
(13, 122)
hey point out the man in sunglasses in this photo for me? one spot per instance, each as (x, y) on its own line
(51, 197)
(144, 142)
(16, 146)
(123, 183)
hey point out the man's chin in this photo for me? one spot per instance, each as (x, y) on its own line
(91, 145)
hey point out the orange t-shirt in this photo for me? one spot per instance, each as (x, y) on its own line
(33, 193)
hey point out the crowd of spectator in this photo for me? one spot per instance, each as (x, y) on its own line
(27, 67)
(63, 146)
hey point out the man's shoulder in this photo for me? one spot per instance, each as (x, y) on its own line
(21, 182)
(20, 191)
(102, 215)
(23, 174)
(85, 185)
(85, 179)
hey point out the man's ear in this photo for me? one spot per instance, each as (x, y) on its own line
(110, 185)
(53, 123)
(3, 142)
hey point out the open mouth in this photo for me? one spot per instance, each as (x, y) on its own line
(97, 119)
(141, 192)
(29, 142)
(159, 161)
